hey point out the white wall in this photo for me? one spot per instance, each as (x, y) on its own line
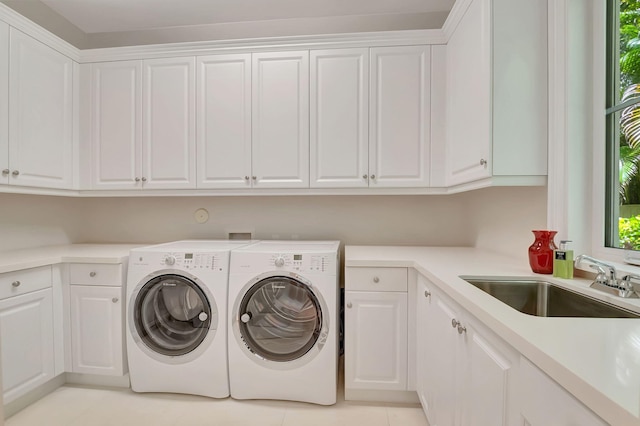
(498, 219)
(31, 221)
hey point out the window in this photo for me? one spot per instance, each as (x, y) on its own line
(622, 215)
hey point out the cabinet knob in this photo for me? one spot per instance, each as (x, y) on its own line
(5, 172)
(15, 172)
(246, 178)
(92, 274)
(376, 279)
(483, 162)
(373, 176)
(137, 179)
(349, 305)
(144, 179)
(254, 177)
(427, 293)
(461, 329)
(364, 176)
(455, 323)
(16, 283)
(115, 300)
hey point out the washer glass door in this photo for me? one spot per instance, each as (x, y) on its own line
(172, 315)
(280, 319)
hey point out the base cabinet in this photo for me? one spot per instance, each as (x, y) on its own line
(96, 330)
(27, 331)
(97, 305)
(466, 375)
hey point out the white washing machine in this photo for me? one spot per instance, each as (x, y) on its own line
(177, 317)
(283, 321)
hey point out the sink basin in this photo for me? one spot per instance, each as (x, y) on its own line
(544, 299)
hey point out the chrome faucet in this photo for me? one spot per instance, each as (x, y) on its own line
(606, 279)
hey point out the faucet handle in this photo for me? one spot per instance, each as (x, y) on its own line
(627, 282)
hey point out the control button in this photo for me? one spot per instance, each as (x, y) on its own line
(170, 260)
(279, 262)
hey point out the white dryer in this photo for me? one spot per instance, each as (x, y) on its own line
(284, 323)
(176, 317)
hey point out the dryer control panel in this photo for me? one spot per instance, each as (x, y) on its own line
(304, 262)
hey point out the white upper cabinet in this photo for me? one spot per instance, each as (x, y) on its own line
(4, 103)
(224, 121)
(399, 124)
(496, 83)
(339, 106)
(40, 114)
(116, 117)
(280, 120)
(143, 124)
(168, 135)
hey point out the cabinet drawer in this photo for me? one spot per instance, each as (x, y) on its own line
(376, 279)
(24, 281)
(95, 274)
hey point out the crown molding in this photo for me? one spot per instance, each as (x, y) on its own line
(324, 41)
(19, 22)
(455, 16)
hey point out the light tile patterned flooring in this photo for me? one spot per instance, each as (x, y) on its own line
(72, 405)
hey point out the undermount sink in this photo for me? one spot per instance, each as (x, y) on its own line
(544, 299)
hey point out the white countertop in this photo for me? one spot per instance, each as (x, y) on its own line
(596, 359)
(15, 260)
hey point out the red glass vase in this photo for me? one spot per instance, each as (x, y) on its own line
(541, 252)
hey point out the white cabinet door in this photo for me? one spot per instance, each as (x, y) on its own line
(488, 379)
(169, 122)
(376, 340)
(4, 103)
(116, 124)
(96, 329)
(280, 120)
(224, 121)
(27, 347)
(339, 108)
(399, 132)
(544, 402)
(469, 97)
(40, 114)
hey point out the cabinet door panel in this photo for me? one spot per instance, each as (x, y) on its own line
(116, 117)
(376, 341)
(96, 329)
(4, 102)
(486, 390)
(469, 97)
(224, 121)
(400, 116)
(169, 139)
(26, 329)
(339, 118)
(280, 120)
(40, 114)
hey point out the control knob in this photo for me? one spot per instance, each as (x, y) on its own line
(279, 262)
(170, 260)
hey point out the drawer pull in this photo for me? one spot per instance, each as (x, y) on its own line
(114, 300)
(16, 283)
(349, 305)
(92, 274)
(455, 323)
(461, 329)
(376, 279)
(427, 293)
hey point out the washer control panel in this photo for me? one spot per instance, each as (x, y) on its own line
(193, 261)
(303, 262)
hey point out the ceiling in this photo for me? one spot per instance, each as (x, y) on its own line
(98, 16)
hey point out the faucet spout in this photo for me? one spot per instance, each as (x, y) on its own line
(606, 272)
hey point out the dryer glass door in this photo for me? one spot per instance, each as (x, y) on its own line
(280, 319)
(172, 315)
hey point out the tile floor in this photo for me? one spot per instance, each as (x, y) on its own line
(72, 405)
